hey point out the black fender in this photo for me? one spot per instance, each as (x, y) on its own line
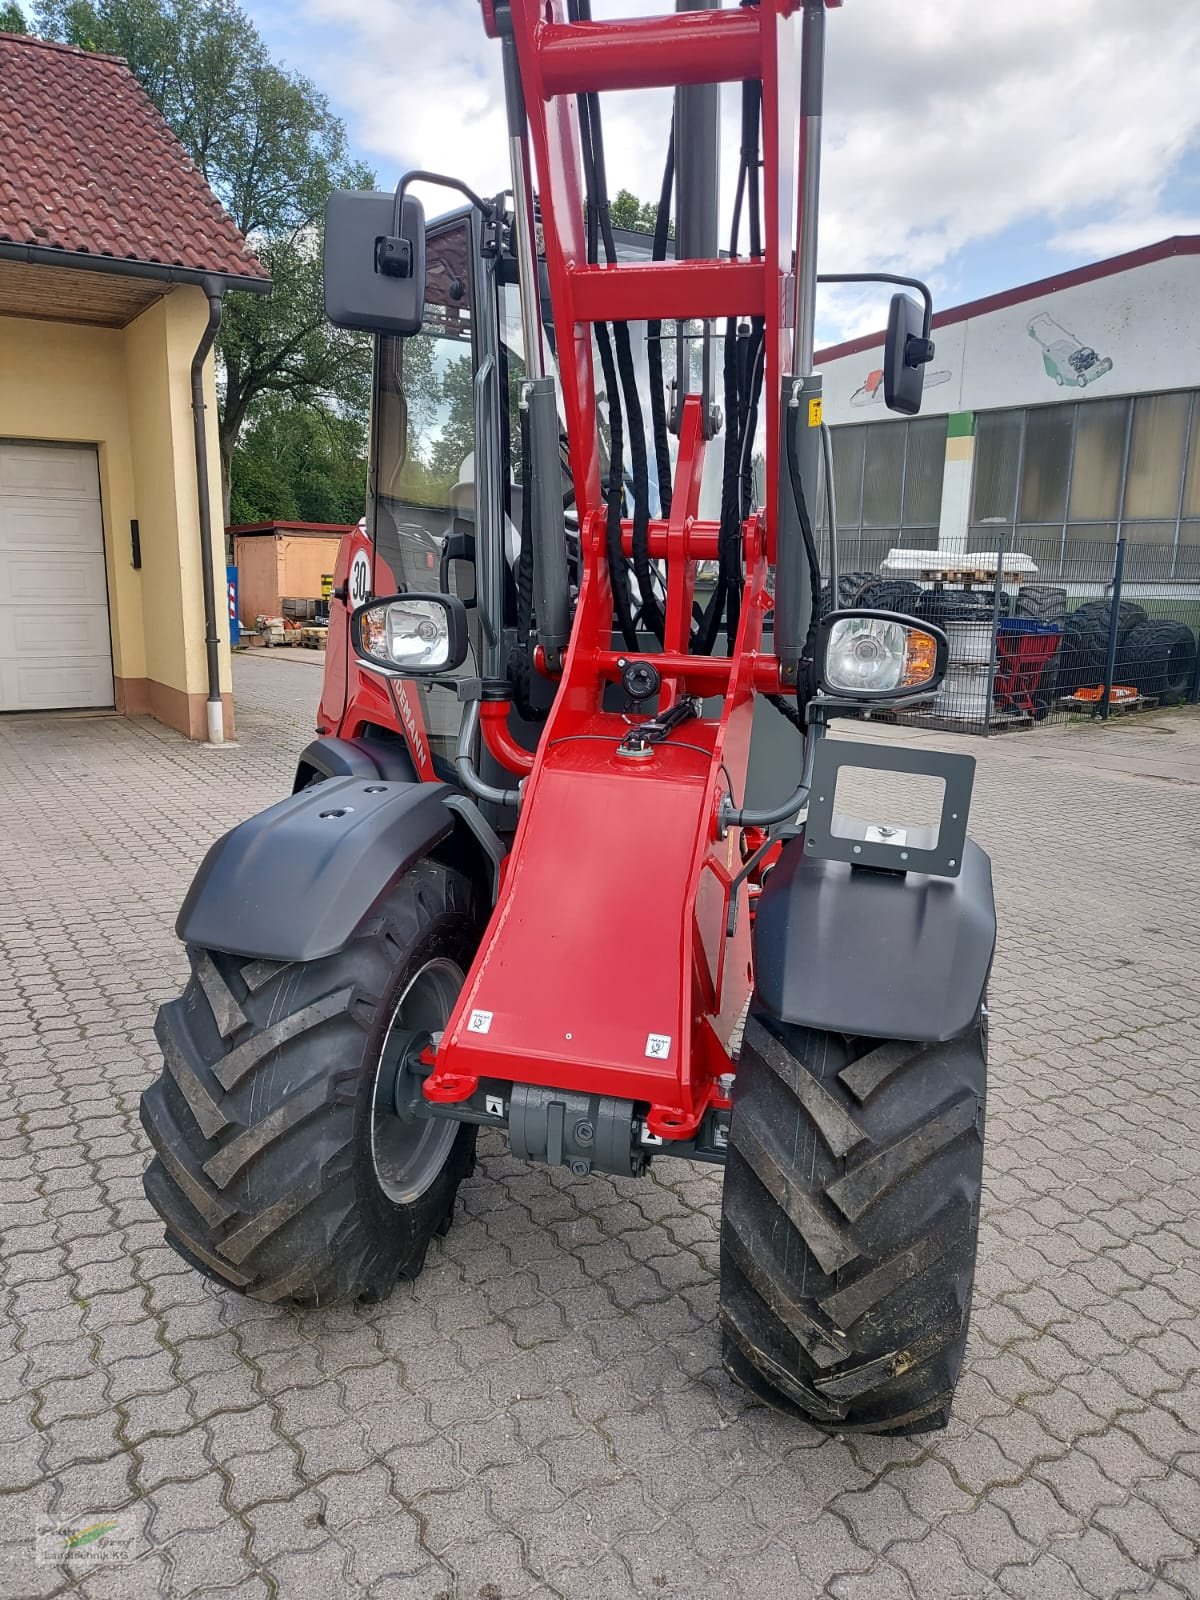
(887, 955)
(353, 758)
(295, 881)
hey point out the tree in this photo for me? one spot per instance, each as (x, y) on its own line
(12, 18)
(271, 149)
(638, 216)
(299, 463)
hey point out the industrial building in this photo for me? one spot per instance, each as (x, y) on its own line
(1060, 417)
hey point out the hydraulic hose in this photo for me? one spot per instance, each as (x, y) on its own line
(618, 579)
(743, 369)
(658, 397)
(596, 184)
(722, 596)
(651, 615)
(519, 669)
(804, 689)
(525, 560)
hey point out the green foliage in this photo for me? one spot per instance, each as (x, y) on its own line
(299, 463)
(12, 18)
(638, 216)
(271, 149)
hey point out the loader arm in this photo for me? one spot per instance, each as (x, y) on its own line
(622, 870)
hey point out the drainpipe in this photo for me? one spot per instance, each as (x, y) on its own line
(216, 719)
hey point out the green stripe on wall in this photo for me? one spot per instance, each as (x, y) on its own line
(960, 425)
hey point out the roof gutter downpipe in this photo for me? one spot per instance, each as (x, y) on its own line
(214, 289)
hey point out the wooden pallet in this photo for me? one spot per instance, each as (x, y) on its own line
(1139, 702)
(959, 575)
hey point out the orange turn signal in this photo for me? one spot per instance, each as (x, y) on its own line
(920, 658)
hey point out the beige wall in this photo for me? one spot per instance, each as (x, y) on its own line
(128, 392)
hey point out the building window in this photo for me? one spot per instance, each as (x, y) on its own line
(888, 479)
(1068, 480)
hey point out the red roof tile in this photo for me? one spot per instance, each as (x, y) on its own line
(87, 164)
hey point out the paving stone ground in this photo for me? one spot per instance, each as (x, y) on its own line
(544, 1412)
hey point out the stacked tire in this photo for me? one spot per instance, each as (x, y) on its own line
(1083, 654)
(889, 594)
(1041, 602)
(848, 586)
(941, 606)
(1158, 659)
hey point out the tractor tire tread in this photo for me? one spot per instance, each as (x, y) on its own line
(1158, 659)
(258, 1171)
(847, 1260)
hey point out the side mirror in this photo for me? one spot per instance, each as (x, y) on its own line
(879, 655)
(374, 262)
(411, 635)
(906, 350)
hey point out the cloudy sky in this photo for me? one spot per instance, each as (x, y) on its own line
(980, 142)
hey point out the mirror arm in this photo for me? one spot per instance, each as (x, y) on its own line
(904, 283)
(486, 208)
(731, 816)
(464, 763)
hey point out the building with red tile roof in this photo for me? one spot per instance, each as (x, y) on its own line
(115, 256)
(88, 166)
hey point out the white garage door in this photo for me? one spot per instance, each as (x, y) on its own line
(54, 639)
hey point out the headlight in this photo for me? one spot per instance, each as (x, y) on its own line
(412, 633)
(874, 655)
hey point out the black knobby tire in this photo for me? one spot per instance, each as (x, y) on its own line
(849, 1224)
(1083, 654)
(1159, 659)
(890, 594)
(942, 606)
(849, 584)
(262, 1119)
(1080, 661)
(1097, 614)
(1041, 602)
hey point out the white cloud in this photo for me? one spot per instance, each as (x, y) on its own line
(1120, 233)
(946, 123)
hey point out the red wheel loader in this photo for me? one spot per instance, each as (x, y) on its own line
(568, 860)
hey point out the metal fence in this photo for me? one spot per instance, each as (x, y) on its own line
(1047, 630)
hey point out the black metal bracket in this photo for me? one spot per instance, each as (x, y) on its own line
(939, 853)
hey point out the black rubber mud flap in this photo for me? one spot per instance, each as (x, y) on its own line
(882, 954)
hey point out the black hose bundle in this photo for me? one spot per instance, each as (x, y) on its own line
(658, 395)
(599, 227)
(806, 684)
(519, 667)
(742, 371)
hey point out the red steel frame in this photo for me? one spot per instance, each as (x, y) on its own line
(606, 966)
